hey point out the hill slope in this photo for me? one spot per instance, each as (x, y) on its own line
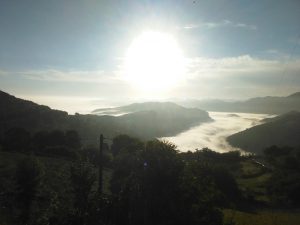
(15, 112)
(283, 130)
(161, 117)
(148, 120)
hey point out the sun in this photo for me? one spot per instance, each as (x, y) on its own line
(154, 62)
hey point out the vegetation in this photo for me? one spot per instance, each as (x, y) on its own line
(150, 183)
(262, 217)
(282, 131)
(145, 183)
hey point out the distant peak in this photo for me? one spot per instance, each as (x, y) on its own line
(295, 95)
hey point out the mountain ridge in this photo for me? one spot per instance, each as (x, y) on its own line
(263, 105)
(283, 130)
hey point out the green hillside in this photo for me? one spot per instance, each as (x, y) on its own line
(283, 130)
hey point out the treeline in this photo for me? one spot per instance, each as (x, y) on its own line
(284, 185)
(53, 143)
(144, 182)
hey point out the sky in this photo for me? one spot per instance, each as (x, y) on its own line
(70, 54)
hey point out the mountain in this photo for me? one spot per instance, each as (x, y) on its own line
(15, 112)
(159, 118)
(267, 105)
(147, 120)
(163, 107)
(283, 130)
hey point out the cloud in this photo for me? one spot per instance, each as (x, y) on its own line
(277, 54)
(190, 26)
(239, 65)
(273, 51)
(223, 23)
(230, 77)
(3, 73)
(294, 40)
(68, 76)
(213, 135)
(239, 77)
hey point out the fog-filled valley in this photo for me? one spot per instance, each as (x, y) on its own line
(213, 134)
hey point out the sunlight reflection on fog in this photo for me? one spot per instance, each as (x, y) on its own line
(213, 134)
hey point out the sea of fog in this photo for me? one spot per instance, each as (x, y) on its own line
(213, 134)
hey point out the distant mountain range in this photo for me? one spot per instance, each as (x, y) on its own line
(283, 130)
(144, 120)
(267, 105)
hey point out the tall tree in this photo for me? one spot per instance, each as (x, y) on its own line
(29, 173)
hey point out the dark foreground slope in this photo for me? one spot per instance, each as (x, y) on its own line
(283, 130)
(163, 120)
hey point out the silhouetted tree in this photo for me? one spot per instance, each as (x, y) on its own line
(40, 140)
(200, 195)
(82, 180)
(28, 179)
(151, 188)
(124, 142)
(16, 139)
(284, 185)
(56, 138)
(72, 139)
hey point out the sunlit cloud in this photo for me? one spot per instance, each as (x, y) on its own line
(69, 76)
(240, 65)
(223, 23)
(240, 77)
(191, 26)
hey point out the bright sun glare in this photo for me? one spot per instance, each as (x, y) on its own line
(154, 61)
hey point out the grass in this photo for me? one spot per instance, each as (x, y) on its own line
(250, 168)
(263, 217)
(57, 170)
(56, 178)
(252, 179)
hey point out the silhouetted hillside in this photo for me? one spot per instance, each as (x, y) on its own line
(15, 112)
(268, 105)
(160, 119)
(283, 130)
(161, 107)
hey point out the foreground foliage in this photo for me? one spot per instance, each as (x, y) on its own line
(144, 183)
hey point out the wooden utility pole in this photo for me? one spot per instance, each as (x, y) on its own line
(100, 187)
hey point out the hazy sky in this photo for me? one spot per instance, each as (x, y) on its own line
(53, 51)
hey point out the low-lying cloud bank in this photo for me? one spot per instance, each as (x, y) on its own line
(213, 135)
